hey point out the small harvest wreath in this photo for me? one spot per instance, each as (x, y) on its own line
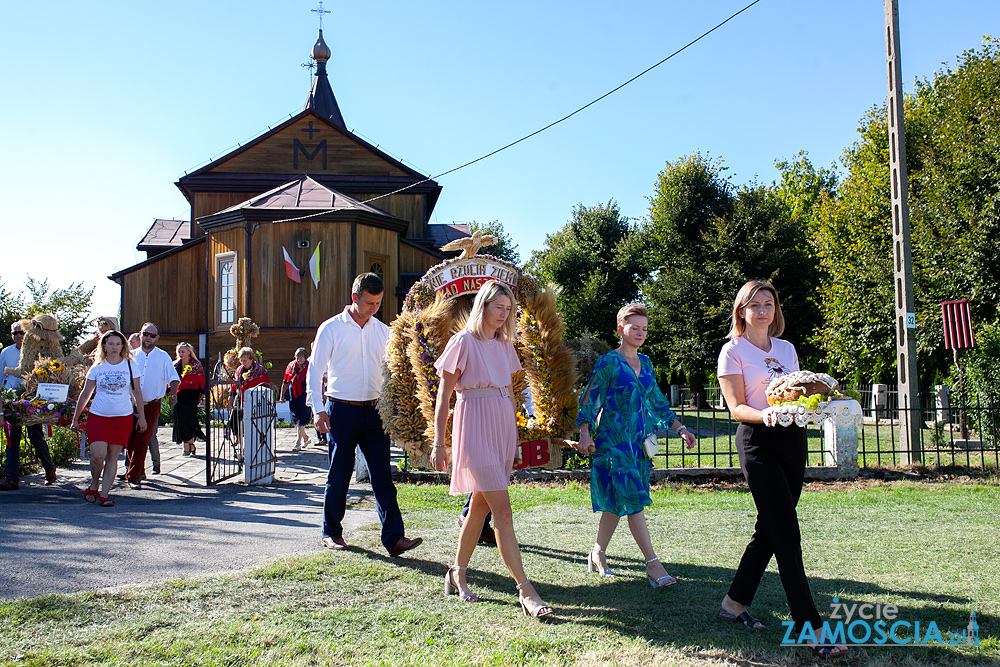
(431, 316)
(23, 406)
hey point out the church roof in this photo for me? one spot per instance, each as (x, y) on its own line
(442, 234)
(321, 98)
(304, 193)
(165, 234)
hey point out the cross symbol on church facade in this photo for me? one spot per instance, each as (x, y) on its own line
(310, 129)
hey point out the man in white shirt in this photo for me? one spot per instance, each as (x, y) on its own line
(349, 349)
(9, 358)
(157, 376)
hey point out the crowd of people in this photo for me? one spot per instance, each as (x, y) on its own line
(337, 388)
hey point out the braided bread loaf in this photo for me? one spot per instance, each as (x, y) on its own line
(791, 387)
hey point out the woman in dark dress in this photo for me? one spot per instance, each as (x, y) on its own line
(189, 394)
(293, 385)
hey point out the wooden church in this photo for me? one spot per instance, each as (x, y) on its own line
(278, 230)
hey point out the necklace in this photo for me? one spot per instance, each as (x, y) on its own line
(636, 366)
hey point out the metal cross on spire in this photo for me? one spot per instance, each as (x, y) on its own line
(320, 11)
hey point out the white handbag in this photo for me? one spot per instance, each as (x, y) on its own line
(651, 444)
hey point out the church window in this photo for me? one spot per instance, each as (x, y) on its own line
(226, 292)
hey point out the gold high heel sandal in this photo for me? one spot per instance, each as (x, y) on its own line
(593, 562)
(539, 610)
(662, 582)
(451, 587)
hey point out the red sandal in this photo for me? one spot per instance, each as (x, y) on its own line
(90, 495)
(105, 502)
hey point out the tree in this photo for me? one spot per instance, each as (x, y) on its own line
(852, 240)
(587, 262)
(12, 309)
(70, 305)
(504, 248)
(802, 187)
(953, 154)
(704, 238)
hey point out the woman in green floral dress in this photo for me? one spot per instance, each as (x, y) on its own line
(621, 404)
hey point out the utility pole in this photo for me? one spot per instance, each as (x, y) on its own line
(905, 320)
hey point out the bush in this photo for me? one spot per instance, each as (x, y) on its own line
(166, 413)
(64, 447)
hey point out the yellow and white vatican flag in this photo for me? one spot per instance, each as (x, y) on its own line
(314, 265)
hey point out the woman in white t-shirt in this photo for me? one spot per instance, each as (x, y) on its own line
(773, 459)
(113, 381)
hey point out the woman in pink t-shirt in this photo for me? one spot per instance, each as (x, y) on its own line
(478, 363)
(773, 459)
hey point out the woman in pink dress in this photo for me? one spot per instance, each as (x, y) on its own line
(478, 363)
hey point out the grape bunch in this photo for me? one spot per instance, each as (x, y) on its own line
(809, 402)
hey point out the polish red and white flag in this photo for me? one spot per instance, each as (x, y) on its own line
(290, 269)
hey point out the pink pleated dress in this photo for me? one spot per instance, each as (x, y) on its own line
(484, 431)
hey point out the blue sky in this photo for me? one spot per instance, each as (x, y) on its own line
(105, 105)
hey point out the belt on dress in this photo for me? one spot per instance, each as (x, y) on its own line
(364, 404)
(483, 392)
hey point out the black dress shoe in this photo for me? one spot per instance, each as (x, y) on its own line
(404, 544)
(156, 470)
(488, 537)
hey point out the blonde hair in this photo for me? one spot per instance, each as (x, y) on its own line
(490, 291)
(100, 355)
(743, 298)
(629, 310)
(177, 351)
(247, 352)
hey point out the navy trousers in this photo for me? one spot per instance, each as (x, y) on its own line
(359, 426)
(773, 460)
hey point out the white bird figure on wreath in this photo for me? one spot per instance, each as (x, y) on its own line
(470, 245)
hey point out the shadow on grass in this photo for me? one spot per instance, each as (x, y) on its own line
(684, 616)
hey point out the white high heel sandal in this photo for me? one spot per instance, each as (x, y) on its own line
(451, 587)
(593, 564)
(662, 582)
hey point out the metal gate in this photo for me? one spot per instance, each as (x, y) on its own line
(223, 444)
(259, 440)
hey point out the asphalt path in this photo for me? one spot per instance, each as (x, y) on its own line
(51, 541)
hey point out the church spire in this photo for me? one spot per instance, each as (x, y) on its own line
(321, 99)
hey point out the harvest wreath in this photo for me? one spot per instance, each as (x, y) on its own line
(436, 308)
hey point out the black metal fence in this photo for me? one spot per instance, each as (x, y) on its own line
(960, 434)
(962, 431)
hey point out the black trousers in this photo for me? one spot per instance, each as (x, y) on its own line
(773, 461)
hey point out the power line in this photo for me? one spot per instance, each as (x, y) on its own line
(553, 123)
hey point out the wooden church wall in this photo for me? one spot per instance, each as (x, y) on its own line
(219, 243)
(208, 203)
(309, 146)
(280, 302)
(377, 245)
(168, 293)
(414, 260)
(410, 208)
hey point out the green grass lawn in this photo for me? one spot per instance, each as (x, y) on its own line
(932, 549)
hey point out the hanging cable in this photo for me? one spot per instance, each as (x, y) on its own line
(543, 129)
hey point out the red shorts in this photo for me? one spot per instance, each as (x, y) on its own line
(112, 430)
